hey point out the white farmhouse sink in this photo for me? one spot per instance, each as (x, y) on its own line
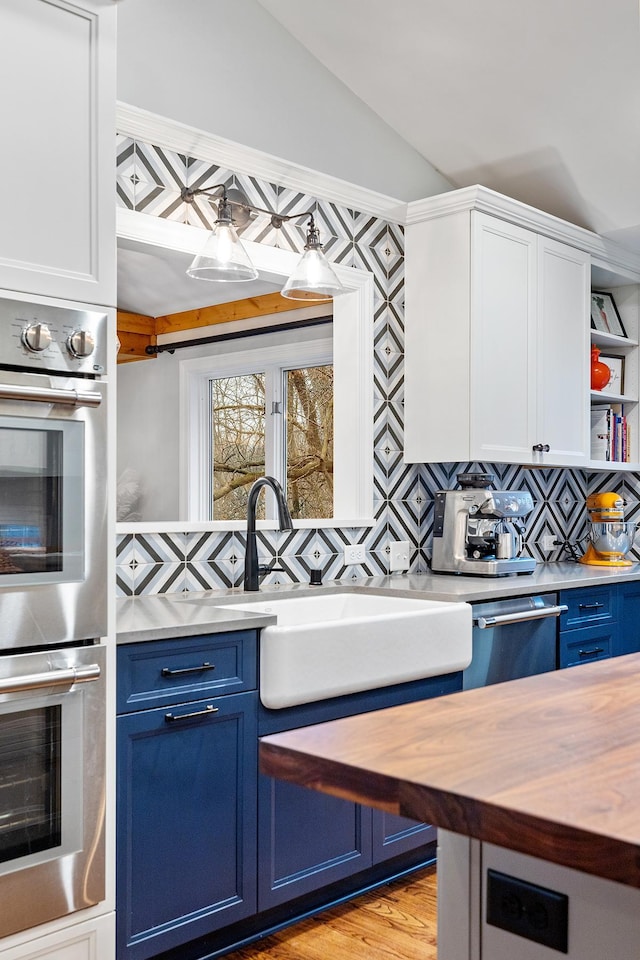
(329, 645)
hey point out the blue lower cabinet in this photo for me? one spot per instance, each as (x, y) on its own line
(629, 634)
(584, 646)
(393, 835)
(307, 840)
(186, 811)
(209, 852)
(589, 606)
(590, 628)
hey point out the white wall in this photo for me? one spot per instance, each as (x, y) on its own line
(228, 68)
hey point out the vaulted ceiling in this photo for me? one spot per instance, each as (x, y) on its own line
(538, 99)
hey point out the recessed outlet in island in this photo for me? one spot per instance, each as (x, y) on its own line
(528, 910)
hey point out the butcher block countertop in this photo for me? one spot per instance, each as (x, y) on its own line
(547, 765)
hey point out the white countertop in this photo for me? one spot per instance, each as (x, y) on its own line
(163, 616)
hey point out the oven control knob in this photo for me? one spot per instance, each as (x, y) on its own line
(36, 337)
(81, 344)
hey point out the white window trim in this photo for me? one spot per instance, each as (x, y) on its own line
(195, 375)
(352, 366)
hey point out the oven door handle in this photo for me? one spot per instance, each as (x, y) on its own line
(53, 678)
(484, 623)
(70, 398)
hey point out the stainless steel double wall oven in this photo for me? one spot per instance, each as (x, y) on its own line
(53, 610)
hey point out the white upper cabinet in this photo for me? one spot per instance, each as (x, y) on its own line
(57, 73)
(563, 362)
(496, 343)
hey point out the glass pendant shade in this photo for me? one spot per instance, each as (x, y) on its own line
(312, 279)
(223, 257)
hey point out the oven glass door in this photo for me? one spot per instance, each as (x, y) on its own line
(30, 781)
(52, 784)
(41, 500)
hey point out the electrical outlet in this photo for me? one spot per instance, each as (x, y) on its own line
(399, 555)
(528, 910)
(548, 541)
(354, 553)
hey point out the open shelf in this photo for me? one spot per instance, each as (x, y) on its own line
(611, 340)
(625, 290)
(603, 396)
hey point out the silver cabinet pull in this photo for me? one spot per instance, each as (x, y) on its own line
(485, 622)
(54, 678)
(70, 398)
(169, 672)
(208, 710)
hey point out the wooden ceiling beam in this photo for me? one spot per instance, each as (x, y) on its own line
(135, 333)
(268, 303)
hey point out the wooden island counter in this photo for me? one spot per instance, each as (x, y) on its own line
(547, 766)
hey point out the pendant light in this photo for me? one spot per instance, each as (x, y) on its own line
(313, 278)
(224, 258)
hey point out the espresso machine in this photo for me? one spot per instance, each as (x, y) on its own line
(478, 531)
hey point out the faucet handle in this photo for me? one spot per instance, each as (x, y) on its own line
(265, 568)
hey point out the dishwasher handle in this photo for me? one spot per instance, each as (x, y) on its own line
(484, 623)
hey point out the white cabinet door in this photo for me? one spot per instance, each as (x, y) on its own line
(529, 340)
(57, 73)
(503, 332)
(563, 352)
(91, 940)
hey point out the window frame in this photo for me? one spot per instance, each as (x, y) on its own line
(353, 315)
(196, 374)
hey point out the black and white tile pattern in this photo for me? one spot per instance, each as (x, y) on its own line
(150, 179)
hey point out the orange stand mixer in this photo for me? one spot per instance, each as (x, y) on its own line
(610, 536)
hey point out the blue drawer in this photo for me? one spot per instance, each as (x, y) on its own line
(588, 607)
(161, 672)
(592, 643)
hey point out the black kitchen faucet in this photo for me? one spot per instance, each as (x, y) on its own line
(252, 570)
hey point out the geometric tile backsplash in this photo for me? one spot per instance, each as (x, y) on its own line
(149, 179)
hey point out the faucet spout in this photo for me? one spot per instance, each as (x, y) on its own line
(251, 568)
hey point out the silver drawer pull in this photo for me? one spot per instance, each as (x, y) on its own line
(485, 622)
(208, 710)
(168, 672)
(54, 678)
(70, 398)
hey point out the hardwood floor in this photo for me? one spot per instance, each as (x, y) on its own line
(394, 922)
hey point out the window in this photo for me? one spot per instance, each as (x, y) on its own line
(257, 414)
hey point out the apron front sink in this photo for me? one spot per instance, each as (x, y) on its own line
(335, 644)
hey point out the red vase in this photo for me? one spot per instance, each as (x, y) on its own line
(600, 372)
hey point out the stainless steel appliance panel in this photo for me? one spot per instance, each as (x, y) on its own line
(44, 337)
(52, 784)
(53, 509)
(513, 638)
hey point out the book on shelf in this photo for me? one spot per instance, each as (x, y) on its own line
(609, 433)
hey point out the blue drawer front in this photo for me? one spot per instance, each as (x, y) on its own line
(162, 672)
(588, 607)
(594, 643)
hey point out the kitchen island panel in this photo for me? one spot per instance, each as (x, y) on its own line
(548, 765)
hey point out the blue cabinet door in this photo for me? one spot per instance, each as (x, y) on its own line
(393, 835)
(186, 814)
(629, 634)
(307, 840)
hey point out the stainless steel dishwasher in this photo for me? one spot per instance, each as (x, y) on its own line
(513, 638)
